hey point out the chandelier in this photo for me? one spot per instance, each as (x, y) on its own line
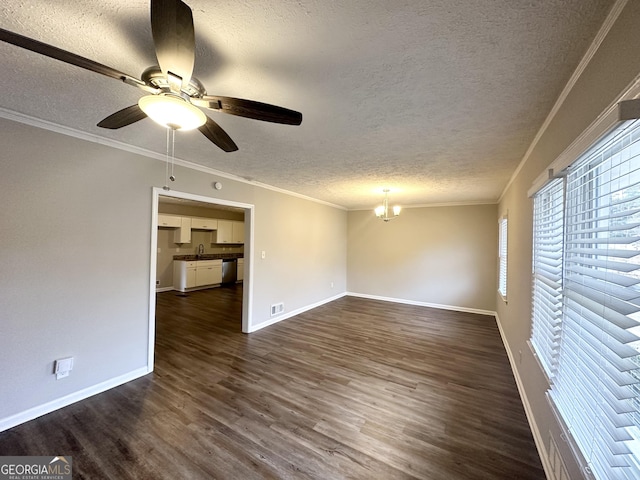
(383, 210)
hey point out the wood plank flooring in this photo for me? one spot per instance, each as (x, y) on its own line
(356, 389)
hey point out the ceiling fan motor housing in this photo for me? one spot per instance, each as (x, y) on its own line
(154, 77)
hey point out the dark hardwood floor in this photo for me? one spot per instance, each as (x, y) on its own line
(357, 389)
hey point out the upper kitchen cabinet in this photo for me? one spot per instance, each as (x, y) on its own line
(229, 231)
(183, 233)
(181, 227)
(238, 232)
(171, 221)
(200, 223)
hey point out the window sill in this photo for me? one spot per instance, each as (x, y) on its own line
(503, 297)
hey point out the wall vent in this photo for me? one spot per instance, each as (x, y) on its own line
(277, 308)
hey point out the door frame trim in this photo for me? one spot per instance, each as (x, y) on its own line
(247, 294)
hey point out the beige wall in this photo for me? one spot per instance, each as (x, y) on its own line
(436, 255)
(615, 65)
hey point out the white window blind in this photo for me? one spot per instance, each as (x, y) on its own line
(596, 383)
(546, 314)
(502, 254)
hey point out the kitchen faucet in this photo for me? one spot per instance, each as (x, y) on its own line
(200, 249)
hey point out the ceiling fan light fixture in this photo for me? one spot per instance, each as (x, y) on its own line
(172, 112)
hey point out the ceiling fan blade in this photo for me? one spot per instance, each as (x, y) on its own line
(217, 135)
(123, 117)
(174, 39)
(70, 58)
(249, 109)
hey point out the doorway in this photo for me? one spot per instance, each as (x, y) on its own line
(213, 203)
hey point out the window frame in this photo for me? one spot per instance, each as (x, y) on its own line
(547, 272)
(503, 254)
(595, 241)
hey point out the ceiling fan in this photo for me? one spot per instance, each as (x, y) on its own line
(173, 93)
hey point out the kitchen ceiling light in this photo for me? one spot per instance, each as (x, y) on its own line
(172, 111)
(382, 211)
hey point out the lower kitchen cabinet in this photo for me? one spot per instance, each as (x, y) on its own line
(208, 272)
(184, 275)
(194, 274)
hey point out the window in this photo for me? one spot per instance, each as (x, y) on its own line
(502, 256)
(548, 220)
(586, 302)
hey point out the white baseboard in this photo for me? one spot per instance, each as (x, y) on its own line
(422, 304)
(38, 411)
(371, 297)
(537, 438)
(293, 313)
(164, 289)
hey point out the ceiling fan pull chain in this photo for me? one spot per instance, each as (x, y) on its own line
(173, 153)
(166, 166)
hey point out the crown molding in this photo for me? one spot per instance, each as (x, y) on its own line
(431, 205)
(613, 15)
(108, 142)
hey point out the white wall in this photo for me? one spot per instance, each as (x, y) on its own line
(442, 256)
(65, 290)
(613, 67)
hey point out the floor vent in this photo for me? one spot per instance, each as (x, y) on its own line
(277, 308)
(557, 465)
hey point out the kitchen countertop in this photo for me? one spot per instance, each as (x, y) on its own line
(208, 256)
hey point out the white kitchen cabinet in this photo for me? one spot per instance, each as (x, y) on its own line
(238, 232)
(224, 233)
(170, 221)
(193, 274)
(184, 275)
(208, 272)
(229, 231)
(240, 269)
(200, 223)
(183, 233)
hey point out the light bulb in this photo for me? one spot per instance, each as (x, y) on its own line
(172, 112)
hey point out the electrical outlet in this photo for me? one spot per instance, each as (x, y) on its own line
(157, 283)
(264, 254)
(331, 284)
(519, 356)
(277, 308)
(62, 367)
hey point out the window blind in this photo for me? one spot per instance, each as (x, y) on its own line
(596, 385)
(546, 314)
(502, 254)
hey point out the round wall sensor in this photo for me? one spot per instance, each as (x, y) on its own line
(217, 185)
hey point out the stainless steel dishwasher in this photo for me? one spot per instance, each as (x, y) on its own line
(229, 270)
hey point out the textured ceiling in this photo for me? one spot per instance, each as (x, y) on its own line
(436, 99)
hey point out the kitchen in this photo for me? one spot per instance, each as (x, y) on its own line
(199, 245)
